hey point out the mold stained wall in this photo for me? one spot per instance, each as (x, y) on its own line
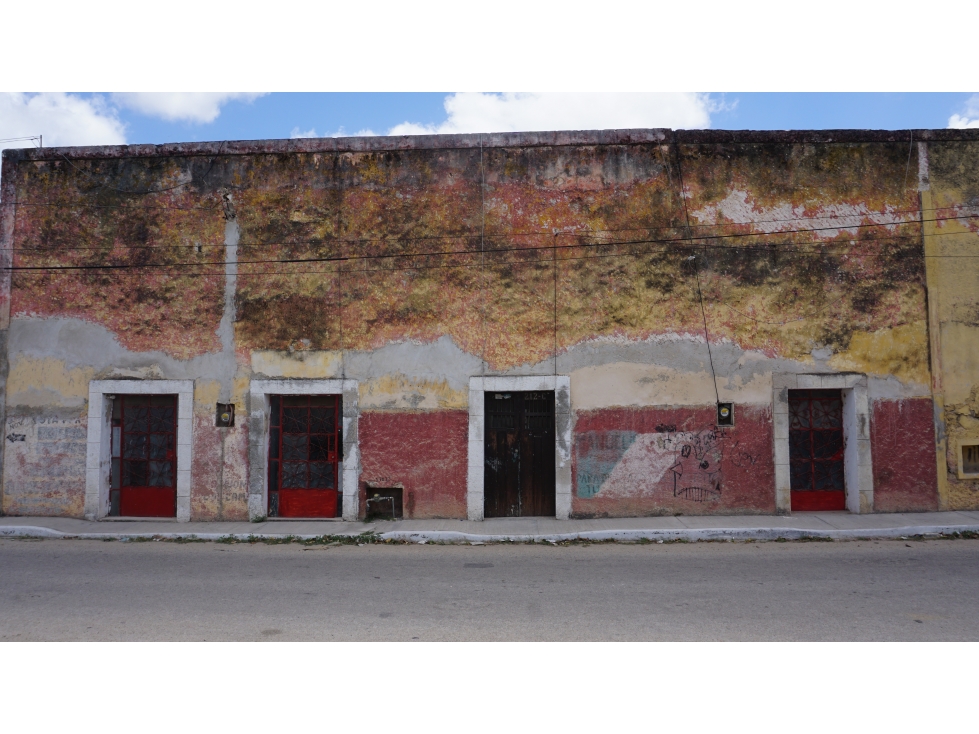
(429, 260)
(808, 258)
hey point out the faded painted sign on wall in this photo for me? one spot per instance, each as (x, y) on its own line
(686, 464)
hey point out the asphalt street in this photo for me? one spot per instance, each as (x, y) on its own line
(57, 589)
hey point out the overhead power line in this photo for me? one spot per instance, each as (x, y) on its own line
(702, 240)
(543, 265)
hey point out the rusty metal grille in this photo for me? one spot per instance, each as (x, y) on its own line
(816, 439)
(501, 412)
(970, 459)
(538, 412)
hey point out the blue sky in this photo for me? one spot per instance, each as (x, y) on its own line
(86, 119)
(278, 115)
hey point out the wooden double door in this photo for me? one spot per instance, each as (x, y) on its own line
(518, 475)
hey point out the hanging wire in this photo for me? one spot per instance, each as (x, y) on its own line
(700, 293)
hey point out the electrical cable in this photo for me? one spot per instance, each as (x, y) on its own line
(773, 249)
(465, 252)
(916, 212)
(700, 293)
(220, 274)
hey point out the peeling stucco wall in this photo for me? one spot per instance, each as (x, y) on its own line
(412, 264)
(950, 198)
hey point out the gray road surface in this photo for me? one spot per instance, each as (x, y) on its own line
(866, 590)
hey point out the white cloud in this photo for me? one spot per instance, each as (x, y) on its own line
(63, 119)
(198, 107)
(341, 133)
(476, 112)
(970, 116)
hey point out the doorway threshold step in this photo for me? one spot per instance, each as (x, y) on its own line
(303, 519)
(121, 518)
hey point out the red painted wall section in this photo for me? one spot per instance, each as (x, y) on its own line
(902, 442)
(219, 482)
(672, 461)
(425, 452)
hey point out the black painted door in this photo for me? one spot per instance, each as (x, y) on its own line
(519, 451)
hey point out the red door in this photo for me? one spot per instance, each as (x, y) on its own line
(144, 456)
(304, 441)
(816, 450)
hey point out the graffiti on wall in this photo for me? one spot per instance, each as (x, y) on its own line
(620, 464)
(697, 471)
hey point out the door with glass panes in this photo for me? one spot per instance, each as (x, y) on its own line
(304, 456)
(816, 450)
(143, 480)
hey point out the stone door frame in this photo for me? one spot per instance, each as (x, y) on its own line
(98, 459)
(258, 438)
(858, 471)
(478, 387)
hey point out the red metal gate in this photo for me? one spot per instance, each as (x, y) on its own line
(144, 456)
(816, 450)
(304, 454)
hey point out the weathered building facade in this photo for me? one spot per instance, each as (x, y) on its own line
(515, 324)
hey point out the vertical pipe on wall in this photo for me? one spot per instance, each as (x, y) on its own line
(482, 255)
(554, 260)
(338, 178)
(226, 330)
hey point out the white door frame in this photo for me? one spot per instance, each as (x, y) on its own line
(258, 439)
(478, 386)
(858, 470)
(98, 459)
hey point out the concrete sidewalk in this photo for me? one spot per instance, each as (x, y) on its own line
(831, 525)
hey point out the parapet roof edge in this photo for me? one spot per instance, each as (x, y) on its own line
(491, 140)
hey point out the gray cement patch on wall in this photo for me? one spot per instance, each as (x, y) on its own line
(441, 359)
(82, 344)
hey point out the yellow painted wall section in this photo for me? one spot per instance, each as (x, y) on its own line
(951, 245)
(299, 364)
(398, 392)
(206, 395)
(46, 382)
(901, 351)
(627, 384)
(239, 389)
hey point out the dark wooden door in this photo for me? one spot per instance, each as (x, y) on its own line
(304, 454)
(519, 454)
(816, 450)
(144, 456)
